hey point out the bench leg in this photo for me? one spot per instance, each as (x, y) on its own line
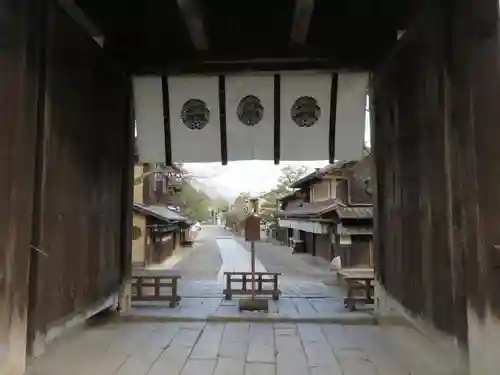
(157, 292)
(175, 297)
(138, 286)
(349, 302)
(227, 292)
(369, 292)
(276, 294)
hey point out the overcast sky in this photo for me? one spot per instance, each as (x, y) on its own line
(237, 177)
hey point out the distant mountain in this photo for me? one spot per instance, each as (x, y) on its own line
(210, 191)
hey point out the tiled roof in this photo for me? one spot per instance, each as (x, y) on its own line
(320, 208)
(355, 212)
(310, 209)
(287, 196)
(160, 212)
(320, 172)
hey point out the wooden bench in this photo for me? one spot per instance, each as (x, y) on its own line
(261, 279)
(358, 280)
(144, 280)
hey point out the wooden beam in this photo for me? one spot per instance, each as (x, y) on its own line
(222, 67)
(79, 16)
(301, 20)
(192, 15)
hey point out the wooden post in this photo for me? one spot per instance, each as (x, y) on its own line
(370, 252)
(125, 296)
(228, 287)
(275, 288)
(138, 287)
(252, 234)
(157, 281)
(260, 283)
(36, 331)
(173, 302)
(252, 253)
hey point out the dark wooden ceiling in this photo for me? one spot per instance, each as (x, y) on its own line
(158, 36)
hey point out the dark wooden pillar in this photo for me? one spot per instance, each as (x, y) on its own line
(474, 73)
(19, 25)
(127, 206)
(476, 70)
(36, 337)
(417, 260)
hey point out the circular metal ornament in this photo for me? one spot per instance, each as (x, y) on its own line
(305, 111)
(250, 110)
(136, 232)
(195, 114)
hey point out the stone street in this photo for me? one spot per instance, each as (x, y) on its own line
(243, 348)
(307, 332)
(306, 284)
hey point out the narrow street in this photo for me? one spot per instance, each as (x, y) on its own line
(306, 283)
(206, 335)
(217, 250)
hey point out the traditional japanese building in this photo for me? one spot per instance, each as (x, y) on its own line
(330, 216)
(78, 75)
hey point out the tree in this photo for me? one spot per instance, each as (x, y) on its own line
(289, 175)
(194, 203)
(269, 200)
(237, 212)
(220, 205)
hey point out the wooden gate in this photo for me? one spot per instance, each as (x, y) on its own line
(65, 188)
(82, 157)
(17, 158)
(418, 260)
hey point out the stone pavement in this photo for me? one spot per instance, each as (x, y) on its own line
(289, 288)
(300, 301)
(238, 349)
(306, 332)
(279, 258)
(326, 310)
(307, 289)
(235, 258)
(203, 262)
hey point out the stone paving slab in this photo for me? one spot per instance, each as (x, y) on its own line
(289, 287)
(239, 349)
(217, 309)
(235, 258)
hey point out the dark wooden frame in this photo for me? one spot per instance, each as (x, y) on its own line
(355, 283)
(261, 278)
(160, 279)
